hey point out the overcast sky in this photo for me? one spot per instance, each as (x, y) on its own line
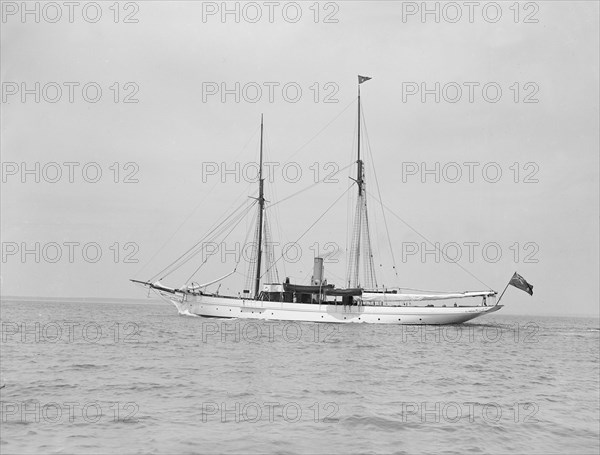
(541, 214)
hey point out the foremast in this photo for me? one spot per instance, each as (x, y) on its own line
(261, 211)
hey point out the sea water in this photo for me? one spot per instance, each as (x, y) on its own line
(82, 377)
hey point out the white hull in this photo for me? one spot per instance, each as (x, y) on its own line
(226, 307)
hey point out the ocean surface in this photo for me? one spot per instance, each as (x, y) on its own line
(110, 378)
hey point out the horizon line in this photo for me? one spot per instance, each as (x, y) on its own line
(155, 299)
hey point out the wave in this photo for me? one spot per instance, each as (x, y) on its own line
(187, 313)
(183, 311)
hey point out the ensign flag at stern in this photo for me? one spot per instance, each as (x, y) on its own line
(519, 282)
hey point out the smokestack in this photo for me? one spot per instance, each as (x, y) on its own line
(317, 278)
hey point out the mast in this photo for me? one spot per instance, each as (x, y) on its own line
(359, 182)
(261, 207)
(359, 177)
(361, 243)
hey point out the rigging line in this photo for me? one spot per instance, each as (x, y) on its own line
(189, 216)
(432, 292)
(305, 279)
(335, 275)
(234, 223)
(380, 198)
(225, 238)
(350, 201)
(428, 241)
(321, 130)
(176, 231)
(252, 263)
(310, 227)
(215, 225)
(192, 255)
(369, 266)
(248, 231)
(280, 236)
(170, 268)
(190, 252)
(310, 186)
(256, 130)
(273, 277)
(272, 190)
(222, 228)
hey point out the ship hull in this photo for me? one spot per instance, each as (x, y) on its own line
(225, 307)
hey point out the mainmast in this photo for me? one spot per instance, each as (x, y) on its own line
(361, 243)
(359, 213)
(261, 208)
(359, 176)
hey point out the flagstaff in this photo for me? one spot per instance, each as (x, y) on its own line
(505, 288)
